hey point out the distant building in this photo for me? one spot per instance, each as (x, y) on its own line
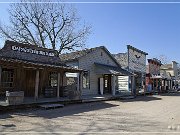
(154, 81)
(171, 72)
(122, 58)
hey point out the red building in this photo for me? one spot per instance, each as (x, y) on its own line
(153, 78)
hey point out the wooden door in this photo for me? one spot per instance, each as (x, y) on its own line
(29, 83)
(107, 84)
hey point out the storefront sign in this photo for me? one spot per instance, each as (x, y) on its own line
(33, 51)
(71, 74)
(123, 83)
(137, 60)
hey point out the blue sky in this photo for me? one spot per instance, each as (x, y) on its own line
(153, 28)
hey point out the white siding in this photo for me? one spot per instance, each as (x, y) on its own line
(137, 61)
(87, 63)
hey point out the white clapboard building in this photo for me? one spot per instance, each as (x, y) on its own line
(101, 70)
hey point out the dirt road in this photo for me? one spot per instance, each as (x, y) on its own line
(159, 114)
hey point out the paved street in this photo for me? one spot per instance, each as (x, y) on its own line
(151, 114)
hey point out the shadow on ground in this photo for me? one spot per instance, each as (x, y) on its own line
(171, 94)
(68, 110)
(142, 98)
(106, 117)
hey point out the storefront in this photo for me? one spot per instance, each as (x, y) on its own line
(134, 60)
(137, 65)
(154, 81)
(102, 73)
(36, 71)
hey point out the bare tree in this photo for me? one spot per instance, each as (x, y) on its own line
(46, 24)
(163, 59)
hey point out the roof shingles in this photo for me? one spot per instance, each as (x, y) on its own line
(8, 53)
(77, 54)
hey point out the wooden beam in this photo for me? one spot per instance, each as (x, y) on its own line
(58, 85)
(113, 85)
(36, 84)
(0, 74)
(80, 81)
(133, 86)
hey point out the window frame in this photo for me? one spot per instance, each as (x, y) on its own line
(53, 76)
(7, 78)
(87, 81)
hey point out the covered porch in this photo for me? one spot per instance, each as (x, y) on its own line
(36, 80)
(114, 80)
(35, 72)
(159, 83)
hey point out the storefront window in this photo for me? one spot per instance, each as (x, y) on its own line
(7, 77)
(86, 80)
(53, 79)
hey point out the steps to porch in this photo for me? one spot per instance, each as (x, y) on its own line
(51, 106)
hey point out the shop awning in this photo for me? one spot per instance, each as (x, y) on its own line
(157, 77)
(108, 69)
(160, 77)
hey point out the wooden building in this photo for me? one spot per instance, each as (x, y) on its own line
(154, 81)
(134, 60)
(101, 70)
(36, 71)
(171, 73)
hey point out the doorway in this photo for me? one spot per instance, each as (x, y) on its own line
(30, 76)
(107, 84)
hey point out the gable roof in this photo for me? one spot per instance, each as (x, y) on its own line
(74, 56)
(108, 69)
(133, 48)
(15, 51)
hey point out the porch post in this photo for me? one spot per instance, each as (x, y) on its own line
(141, 80)
(0, 74)
(170, 84)
(80, 82)
(58, 85)
(143, 83)
(36, 84)
(113, 85)
(133, 86)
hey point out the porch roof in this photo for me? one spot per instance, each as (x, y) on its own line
(10, 60)
(108, 69)
(157, 77)
(160, 77)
